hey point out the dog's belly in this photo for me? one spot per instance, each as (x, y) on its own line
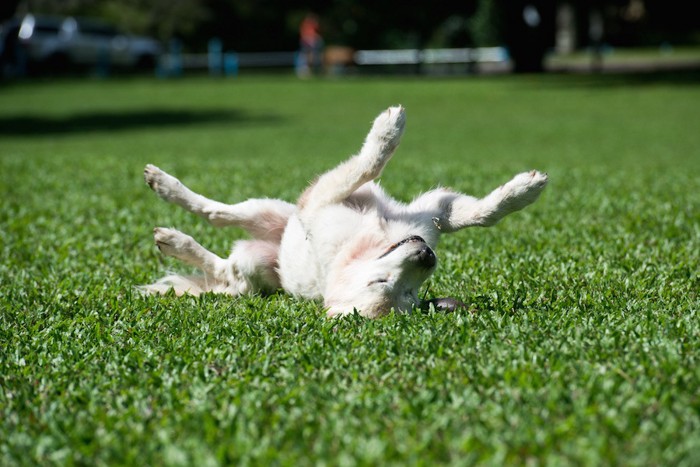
(298, 268)
(305, 257)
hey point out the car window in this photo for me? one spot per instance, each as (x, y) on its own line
(45, 28)
(98, 30)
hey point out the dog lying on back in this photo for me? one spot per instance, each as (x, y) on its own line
(345, 241)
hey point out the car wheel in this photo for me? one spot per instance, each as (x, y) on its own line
(57, 63)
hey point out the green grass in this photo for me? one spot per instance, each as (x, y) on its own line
(585, 348)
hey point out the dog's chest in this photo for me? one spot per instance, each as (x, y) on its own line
(306, 252)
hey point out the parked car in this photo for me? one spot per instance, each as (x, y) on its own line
(57, 44)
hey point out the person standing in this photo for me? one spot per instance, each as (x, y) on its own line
(311, 44)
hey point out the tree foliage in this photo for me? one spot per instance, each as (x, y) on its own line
(273, 24)
(264, 25)
(160, 18)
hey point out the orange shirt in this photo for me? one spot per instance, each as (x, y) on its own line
(309, 31)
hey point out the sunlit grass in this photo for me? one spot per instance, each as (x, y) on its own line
(583, 349)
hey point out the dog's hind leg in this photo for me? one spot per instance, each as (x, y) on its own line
(174, 243)
(251, 266)
(453, 211)
(262, 218)
(337, 184)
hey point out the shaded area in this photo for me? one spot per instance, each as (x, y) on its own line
(636, 72)
(108, 121)
(690, 77)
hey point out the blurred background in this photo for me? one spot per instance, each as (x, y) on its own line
(346, 36)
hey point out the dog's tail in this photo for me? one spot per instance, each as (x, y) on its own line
(193, 285)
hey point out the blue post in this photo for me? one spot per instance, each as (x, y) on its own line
(103, 59)
(173, 67)
(215, 57)
(231, 64)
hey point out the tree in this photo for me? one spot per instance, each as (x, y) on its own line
(528, 31)
(8, 8)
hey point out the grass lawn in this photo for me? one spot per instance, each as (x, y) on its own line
(585, 348)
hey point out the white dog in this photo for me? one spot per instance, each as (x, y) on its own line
(345, 241)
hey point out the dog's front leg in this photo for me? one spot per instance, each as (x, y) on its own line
(336, 185)
(455, 211)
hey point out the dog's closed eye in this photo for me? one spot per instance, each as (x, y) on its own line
(378, 282)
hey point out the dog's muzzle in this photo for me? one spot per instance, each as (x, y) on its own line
(424, 257)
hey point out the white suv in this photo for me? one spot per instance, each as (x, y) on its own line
(58, 43)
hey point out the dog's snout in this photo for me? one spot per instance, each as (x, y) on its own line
(426, 257)
(411, 239)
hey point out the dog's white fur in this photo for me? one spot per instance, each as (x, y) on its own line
(345, 241)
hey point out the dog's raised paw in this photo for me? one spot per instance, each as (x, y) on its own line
(388, 126)
(538, 178)
(167, 186)
(522, 190)
(151, 174)
(528, 182)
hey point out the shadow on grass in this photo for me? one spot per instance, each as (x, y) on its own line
(108, 121)
(690, 77)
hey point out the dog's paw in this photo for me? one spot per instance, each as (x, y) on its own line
(165, 185)
(170, 242)
(388, 127)
(152, 176)
(527, 181)
(524, 189)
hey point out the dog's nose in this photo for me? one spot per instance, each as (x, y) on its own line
(426, 257)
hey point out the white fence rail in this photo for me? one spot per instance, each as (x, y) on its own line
(428, 56)
(229, 63)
